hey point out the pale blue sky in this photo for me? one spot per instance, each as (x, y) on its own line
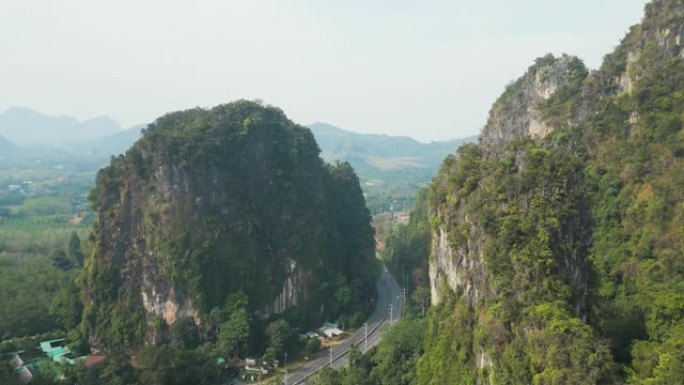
(427, 69)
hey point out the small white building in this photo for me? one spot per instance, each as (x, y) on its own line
(330, 330)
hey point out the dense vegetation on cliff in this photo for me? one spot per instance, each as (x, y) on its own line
(214, 204)
(525, 212)
(565, 226)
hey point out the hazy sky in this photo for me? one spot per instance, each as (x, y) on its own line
(429, 69)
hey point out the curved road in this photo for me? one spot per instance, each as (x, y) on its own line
(389, 292)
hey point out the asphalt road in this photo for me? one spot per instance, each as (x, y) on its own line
(389, 292)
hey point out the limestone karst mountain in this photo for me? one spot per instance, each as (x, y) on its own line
(234, 200)
(557, 245)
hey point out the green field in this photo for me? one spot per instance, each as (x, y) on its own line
(37, 221)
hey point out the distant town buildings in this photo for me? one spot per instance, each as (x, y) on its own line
(23, 188)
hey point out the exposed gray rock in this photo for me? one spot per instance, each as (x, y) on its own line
(517, 113)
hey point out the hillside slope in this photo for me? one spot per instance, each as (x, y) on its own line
(391, 168)
(377, 154)
(558, 240)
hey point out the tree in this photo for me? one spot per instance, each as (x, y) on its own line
(397, 355)
(7, 377)
(419, 276)
(279, 334)
(421, 296)
(356, 373)
(236, 301)
(326, 376)
(313, 345)
(74, 250)
(167, 366)
(344, 296)
(67, 306)
(235, 332)
(77, 342)
(60, 260)
(117, 370)
(184, 333)
(270, 355)
(216, 317)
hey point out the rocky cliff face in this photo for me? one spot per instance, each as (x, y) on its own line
(658, 38)
(459, 270)
(211, 203)
(517, 114)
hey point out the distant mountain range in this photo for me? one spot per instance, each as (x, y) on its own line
(24, 126)
(376, 158)
(21, 126)
(383, 156)
(113, 144)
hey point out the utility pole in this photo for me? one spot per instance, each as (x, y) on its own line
(330, 350)
(365, 327)
(404, 277)
(285, 367)
(403, 273)
(403, 300)
(391, 315)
